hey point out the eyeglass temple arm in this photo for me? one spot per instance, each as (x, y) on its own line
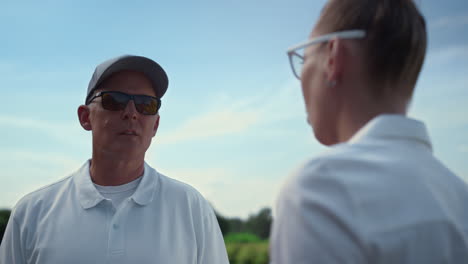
(93, 97)
(348, 34)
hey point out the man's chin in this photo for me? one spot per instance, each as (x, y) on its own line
(125, 152)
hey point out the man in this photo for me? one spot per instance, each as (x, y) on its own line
(378, 195)
(116, 208)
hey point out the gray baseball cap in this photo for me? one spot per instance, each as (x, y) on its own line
(150, 68)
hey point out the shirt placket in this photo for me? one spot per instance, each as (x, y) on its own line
(116, 237)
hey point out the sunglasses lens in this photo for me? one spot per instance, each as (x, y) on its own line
(114, 101)
(146, 105)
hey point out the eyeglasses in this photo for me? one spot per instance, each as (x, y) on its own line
(296, 58)
(115, 101)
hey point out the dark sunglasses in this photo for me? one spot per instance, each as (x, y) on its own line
(115, 101)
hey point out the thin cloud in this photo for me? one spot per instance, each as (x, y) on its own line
(228, 116)
(216, 123)
(62, 131)
(451, 22)
(448, 54)
(42, 168)
(463, 148)
(39, 157)
(26, 123)
(221, 187)
(465, 177)
(448, 117)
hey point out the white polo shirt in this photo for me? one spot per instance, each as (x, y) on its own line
(164, 221)
(380, 198)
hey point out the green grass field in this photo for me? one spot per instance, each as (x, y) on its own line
(248, 253)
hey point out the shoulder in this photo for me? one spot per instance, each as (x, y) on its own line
(325, 166)
(33, 203)
(327, 180)
(181, 199)
(350, 165)
(177, 187)
(179, 192)
(318, 206)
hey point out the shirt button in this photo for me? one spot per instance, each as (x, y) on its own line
(115, 226)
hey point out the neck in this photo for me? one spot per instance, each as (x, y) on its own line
(112, 171)
(353, 118)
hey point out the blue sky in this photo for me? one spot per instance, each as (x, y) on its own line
(233, 123)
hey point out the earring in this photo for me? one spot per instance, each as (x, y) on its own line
(331, 83)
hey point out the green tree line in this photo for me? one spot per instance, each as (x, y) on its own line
(247, 240)
(4, 216)
(257, 224)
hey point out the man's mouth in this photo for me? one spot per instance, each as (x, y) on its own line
(129, 133)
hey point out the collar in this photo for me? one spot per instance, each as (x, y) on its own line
(145, 191)
(89, 196)
(391, 126)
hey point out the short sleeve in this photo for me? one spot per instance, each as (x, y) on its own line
(211, 247)
(11, 249)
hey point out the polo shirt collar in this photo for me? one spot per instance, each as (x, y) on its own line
(89, 196)
(145, 191)
(393, 126)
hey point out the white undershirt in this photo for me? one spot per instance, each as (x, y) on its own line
(117, 194)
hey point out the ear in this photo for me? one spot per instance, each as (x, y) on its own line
(156, 125)
(83, 116)
(335, 61)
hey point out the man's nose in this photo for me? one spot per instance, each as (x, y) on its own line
(130, 111)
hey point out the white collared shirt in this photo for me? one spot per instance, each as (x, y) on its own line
(164, 221)
(380, 198)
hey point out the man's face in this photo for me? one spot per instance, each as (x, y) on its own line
(124, 132)
(318, 98)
